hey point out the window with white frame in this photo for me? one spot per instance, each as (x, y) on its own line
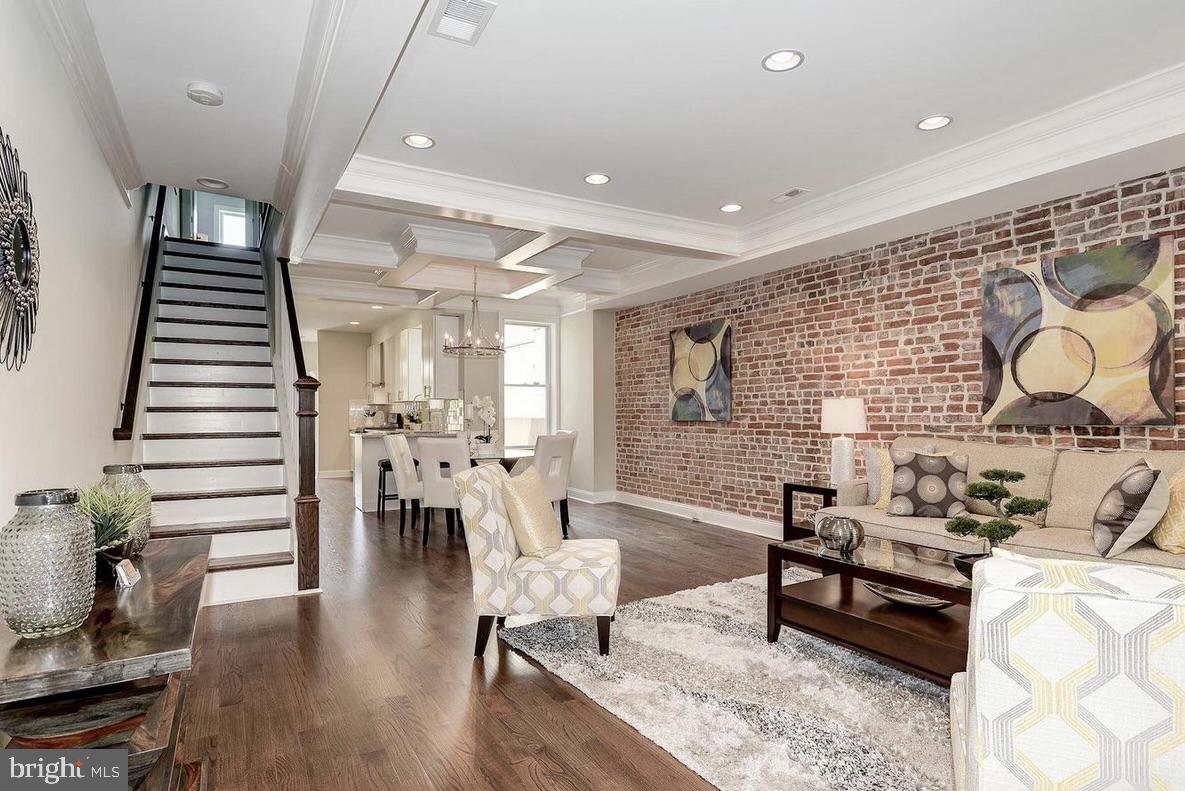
(232, 227)
(526, 379)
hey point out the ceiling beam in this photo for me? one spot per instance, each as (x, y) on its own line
(541, 284)
(405, 271)
(528, 250)
(438, 298)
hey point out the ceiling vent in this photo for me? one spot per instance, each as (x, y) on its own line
(462, 20)
(789, 195)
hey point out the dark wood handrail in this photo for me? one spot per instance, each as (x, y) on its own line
(131, 395)
(308, 505)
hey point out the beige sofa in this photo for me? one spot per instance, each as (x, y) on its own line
(1074, 482)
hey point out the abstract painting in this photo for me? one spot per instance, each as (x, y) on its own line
(1083, 339)
(701, 372)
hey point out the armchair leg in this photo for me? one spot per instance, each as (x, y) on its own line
(484, 623)
(448, 518)
(603, 633)
(501, 621)
(564, 516)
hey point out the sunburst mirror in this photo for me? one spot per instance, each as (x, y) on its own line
(20, 268)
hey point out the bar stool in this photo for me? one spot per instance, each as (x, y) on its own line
(384, 468)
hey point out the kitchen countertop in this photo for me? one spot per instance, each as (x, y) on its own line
(382, 432)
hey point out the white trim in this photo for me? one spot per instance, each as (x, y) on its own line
(594, 498)
(346, 250)
(746, 524)
(73, 34)
(335, 474)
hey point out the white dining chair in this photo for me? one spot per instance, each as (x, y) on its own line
(553, 461)
(440, 459)
(407, 482)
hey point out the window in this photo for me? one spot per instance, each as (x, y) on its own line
(526, 395)
(232, 228)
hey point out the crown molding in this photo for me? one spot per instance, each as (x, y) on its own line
(344, 250)
(73, 35)
(453, 242)
(344, 291)
(370, 181)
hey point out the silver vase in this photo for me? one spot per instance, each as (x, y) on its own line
(128, 478)
(839, 533)
(47, 564)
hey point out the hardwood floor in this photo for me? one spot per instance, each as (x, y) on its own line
(373, 685)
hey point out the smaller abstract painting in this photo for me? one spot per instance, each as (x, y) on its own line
(701, 372)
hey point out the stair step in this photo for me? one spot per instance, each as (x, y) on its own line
(209, 409)
(219, 528)
(189, 270)
(218, 494)
(245, 385)
(255, 292)
(236, 562)
(187, 361)
(251, 325)
(209, 341)
(209, 257)
(213, 435)
(189, 303)
(213, 245)
(195, 464)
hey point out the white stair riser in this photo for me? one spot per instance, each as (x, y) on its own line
(204, 479)
(169, 422)
(205, 250)
(175, 330)
(228, 545)
(211, 278)
(223, 587)
(210, 351)
(224, 509)
(201, 295)
(210, 373)
(210, 396)
(211, 449)
(221, 314)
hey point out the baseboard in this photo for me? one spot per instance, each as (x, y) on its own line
(335, 474)
(768, 528)
(596, 498)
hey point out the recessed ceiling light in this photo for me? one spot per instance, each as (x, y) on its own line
(933, 122)
(419, 141)
(729, 208)
(596, 178)
(376, 307)
(782, 60)
(355, 323)
(204, 94)
(213, 184)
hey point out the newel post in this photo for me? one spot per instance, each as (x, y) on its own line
(308, 505)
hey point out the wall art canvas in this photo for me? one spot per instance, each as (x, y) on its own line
(701, 372)
(1083, 339)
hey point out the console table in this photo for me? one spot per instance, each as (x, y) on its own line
(116, 681)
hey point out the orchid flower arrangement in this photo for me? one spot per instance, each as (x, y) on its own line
(483, 409)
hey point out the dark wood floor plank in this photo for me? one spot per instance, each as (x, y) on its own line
(372, 684)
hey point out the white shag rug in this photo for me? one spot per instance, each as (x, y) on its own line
(693, 673)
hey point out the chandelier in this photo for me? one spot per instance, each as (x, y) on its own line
(475, 343)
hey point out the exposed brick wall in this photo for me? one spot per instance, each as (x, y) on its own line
(898, 324)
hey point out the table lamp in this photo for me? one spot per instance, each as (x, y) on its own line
(843, 416)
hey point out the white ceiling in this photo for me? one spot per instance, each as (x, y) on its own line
(331, 315)
(670, 99)
(251, 50)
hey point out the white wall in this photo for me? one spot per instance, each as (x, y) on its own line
(586, 398)
(57, 412)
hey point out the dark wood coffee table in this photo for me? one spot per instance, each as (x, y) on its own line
(928, 643)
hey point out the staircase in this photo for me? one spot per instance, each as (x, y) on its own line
(210, 442)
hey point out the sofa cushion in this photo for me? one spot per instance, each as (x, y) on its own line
(1169, 535)
(919, 530)
(1074, 544)
(1079, 481)
(926, 485)
(1036, 463)
(1130, 509)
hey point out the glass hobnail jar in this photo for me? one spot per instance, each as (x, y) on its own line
(127, 478)
(47, 564)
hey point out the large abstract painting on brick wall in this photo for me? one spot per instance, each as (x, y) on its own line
(701, 372)
(1082, 339)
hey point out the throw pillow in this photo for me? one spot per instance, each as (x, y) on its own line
(1130, 509)
(928, 485)
(878, 469)
(1169, 535)
(532, 518)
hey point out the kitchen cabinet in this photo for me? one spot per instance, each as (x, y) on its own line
(410, 382)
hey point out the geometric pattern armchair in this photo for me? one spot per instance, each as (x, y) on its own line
(1075, 677)
(580, 578)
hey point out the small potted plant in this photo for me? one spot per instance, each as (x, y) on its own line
(481, 408)
(113, 513)
(992, 490)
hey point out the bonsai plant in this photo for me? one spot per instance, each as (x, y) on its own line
(112, 513)
(993, 490)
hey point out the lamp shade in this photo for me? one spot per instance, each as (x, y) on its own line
(844, 416)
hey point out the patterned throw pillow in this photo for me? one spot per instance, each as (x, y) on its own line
(1169, 535)
(1130, 509)
(878, 469)
(928, 485)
